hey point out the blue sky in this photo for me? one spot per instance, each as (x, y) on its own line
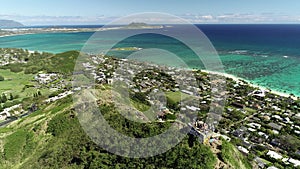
(36, 12)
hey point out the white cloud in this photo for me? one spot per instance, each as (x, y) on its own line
(193, 18)
(58, 20)
(207, 17)
(243, 18)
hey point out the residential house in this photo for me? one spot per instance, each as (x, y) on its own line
(274, 155)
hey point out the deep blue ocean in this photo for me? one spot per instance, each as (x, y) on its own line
(268, 55)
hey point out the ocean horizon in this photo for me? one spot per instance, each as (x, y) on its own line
(264, 54)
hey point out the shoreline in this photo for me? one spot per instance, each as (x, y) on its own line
(235, 78)
(75, 30)
(20, 34)
(238, 79)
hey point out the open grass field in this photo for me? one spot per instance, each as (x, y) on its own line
(15, 83)
(177, 96)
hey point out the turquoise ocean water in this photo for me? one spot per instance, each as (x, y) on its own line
(268, 55)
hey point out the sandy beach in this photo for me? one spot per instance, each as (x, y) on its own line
(237, 79)
(17, 34)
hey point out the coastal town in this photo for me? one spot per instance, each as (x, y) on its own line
(263, 125)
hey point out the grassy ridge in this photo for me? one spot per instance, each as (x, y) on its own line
(60, 63)
(53, 138)
(233, 157)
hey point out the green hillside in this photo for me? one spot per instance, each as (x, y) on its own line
(232, 156)
(53, 138)
(59, 63)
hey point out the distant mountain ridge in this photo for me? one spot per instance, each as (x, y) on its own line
(9, 24)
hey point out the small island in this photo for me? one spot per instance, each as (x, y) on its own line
(142, 25)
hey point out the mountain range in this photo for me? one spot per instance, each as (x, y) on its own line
(10, 24)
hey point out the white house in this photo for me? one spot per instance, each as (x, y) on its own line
(45, 78)
(193, 108)
(295, 162)
(3, 116)
(242, 149)
(274, 155)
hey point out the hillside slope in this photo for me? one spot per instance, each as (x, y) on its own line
(53, 138)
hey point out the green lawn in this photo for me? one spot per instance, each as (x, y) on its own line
(177, 96)
(15, 82)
